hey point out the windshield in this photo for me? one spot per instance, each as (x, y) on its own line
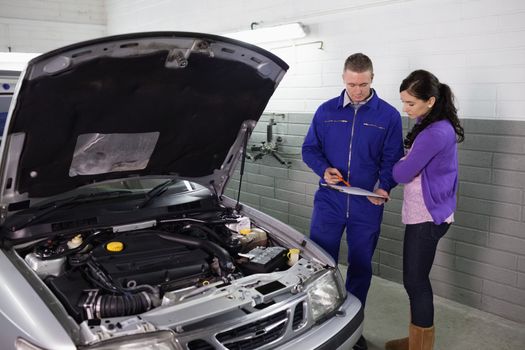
(123, 193)
(106, 204)
(134, 186)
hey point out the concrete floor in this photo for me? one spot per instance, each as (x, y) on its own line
(458, 327)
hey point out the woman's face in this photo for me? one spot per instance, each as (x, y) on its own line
(414, 107)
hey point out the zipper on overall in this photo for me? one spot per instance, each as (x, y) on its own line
(349, 159)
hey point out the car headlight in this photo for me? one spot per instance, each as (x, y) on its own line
(163, 340)
(325, 296)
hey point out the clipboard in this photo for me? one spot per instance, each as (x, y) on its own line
(356, 191)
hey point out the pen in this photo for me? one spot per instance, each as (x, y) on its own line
(343, 181)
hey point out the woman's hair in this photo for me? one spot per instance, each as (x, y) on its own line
(423, 85)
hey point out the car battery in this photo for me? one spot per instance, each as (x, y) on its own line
(265, 259)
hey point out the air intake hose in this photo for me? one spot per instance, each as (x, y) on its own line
(222, 255)
(122, 305)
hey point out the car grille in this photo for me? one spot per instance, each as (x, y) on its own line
(200, 344)
(255, 334)
(262, 329)
(298, 316)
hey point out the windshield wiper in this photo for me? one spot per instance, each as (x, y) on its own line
(61, 203)
(156, 192)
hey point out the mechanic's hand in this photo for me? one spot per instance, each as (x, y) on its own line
(331, 176)
(379, 201)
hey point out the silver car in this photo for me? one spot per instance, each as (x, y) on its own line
(115, 233)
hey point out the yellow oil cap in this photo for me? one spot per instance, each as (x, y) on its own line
(244, 231)
(114, 246)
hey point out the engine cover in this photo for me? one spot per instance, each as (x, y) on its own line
(146, 258)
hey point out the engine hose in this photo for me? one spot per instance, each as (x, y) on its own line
(122, 305)
(225, 260)
(208, 231)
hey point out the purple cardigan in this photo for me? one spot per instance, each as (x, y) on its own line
(434, 155)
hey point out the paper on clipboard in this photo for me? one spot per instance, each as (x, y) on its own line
(353, 190)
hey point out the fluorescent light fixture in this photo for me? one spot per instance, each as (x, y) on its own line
(270, 34)
(15, 61)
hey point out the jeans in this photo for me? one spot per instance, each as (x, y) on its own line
(419, 250)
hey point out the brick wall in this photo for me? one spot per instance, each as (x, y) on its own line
(40, 26)
(481, 260)
(477, 46)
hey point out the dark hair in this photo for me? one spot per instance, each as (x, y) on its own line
(424, 85)
(359, 63)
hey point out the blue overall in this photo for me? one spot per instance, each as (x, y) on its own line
(364, 145)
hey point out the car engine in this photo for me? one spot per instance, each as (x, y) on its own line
(108, 273)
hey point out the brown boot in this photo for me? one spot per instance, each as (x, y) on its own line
(397, 344)
(421, 338)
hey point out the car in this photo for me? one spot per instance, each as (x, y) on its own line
(115, 230)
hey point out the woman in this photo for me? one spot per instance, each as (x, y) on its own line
(430, 174)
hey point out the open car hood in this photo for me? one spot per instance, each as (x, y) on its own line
(162, 103)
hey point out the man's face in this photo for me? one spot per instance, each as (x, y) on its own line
(357, 84)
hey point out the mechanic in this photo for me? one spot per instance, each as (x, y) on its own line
(355, 137)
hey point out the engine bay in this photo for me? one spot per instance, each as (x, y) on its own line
(130, 269)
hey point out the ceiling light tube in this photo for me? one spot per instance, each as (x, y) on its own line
(270, 34)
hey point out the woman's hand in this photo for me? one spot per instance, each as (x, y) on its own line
(377, 200)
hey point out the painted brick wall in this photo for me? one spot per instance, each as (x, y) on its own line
(481, 260)
(477, 46)
(40, 26)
